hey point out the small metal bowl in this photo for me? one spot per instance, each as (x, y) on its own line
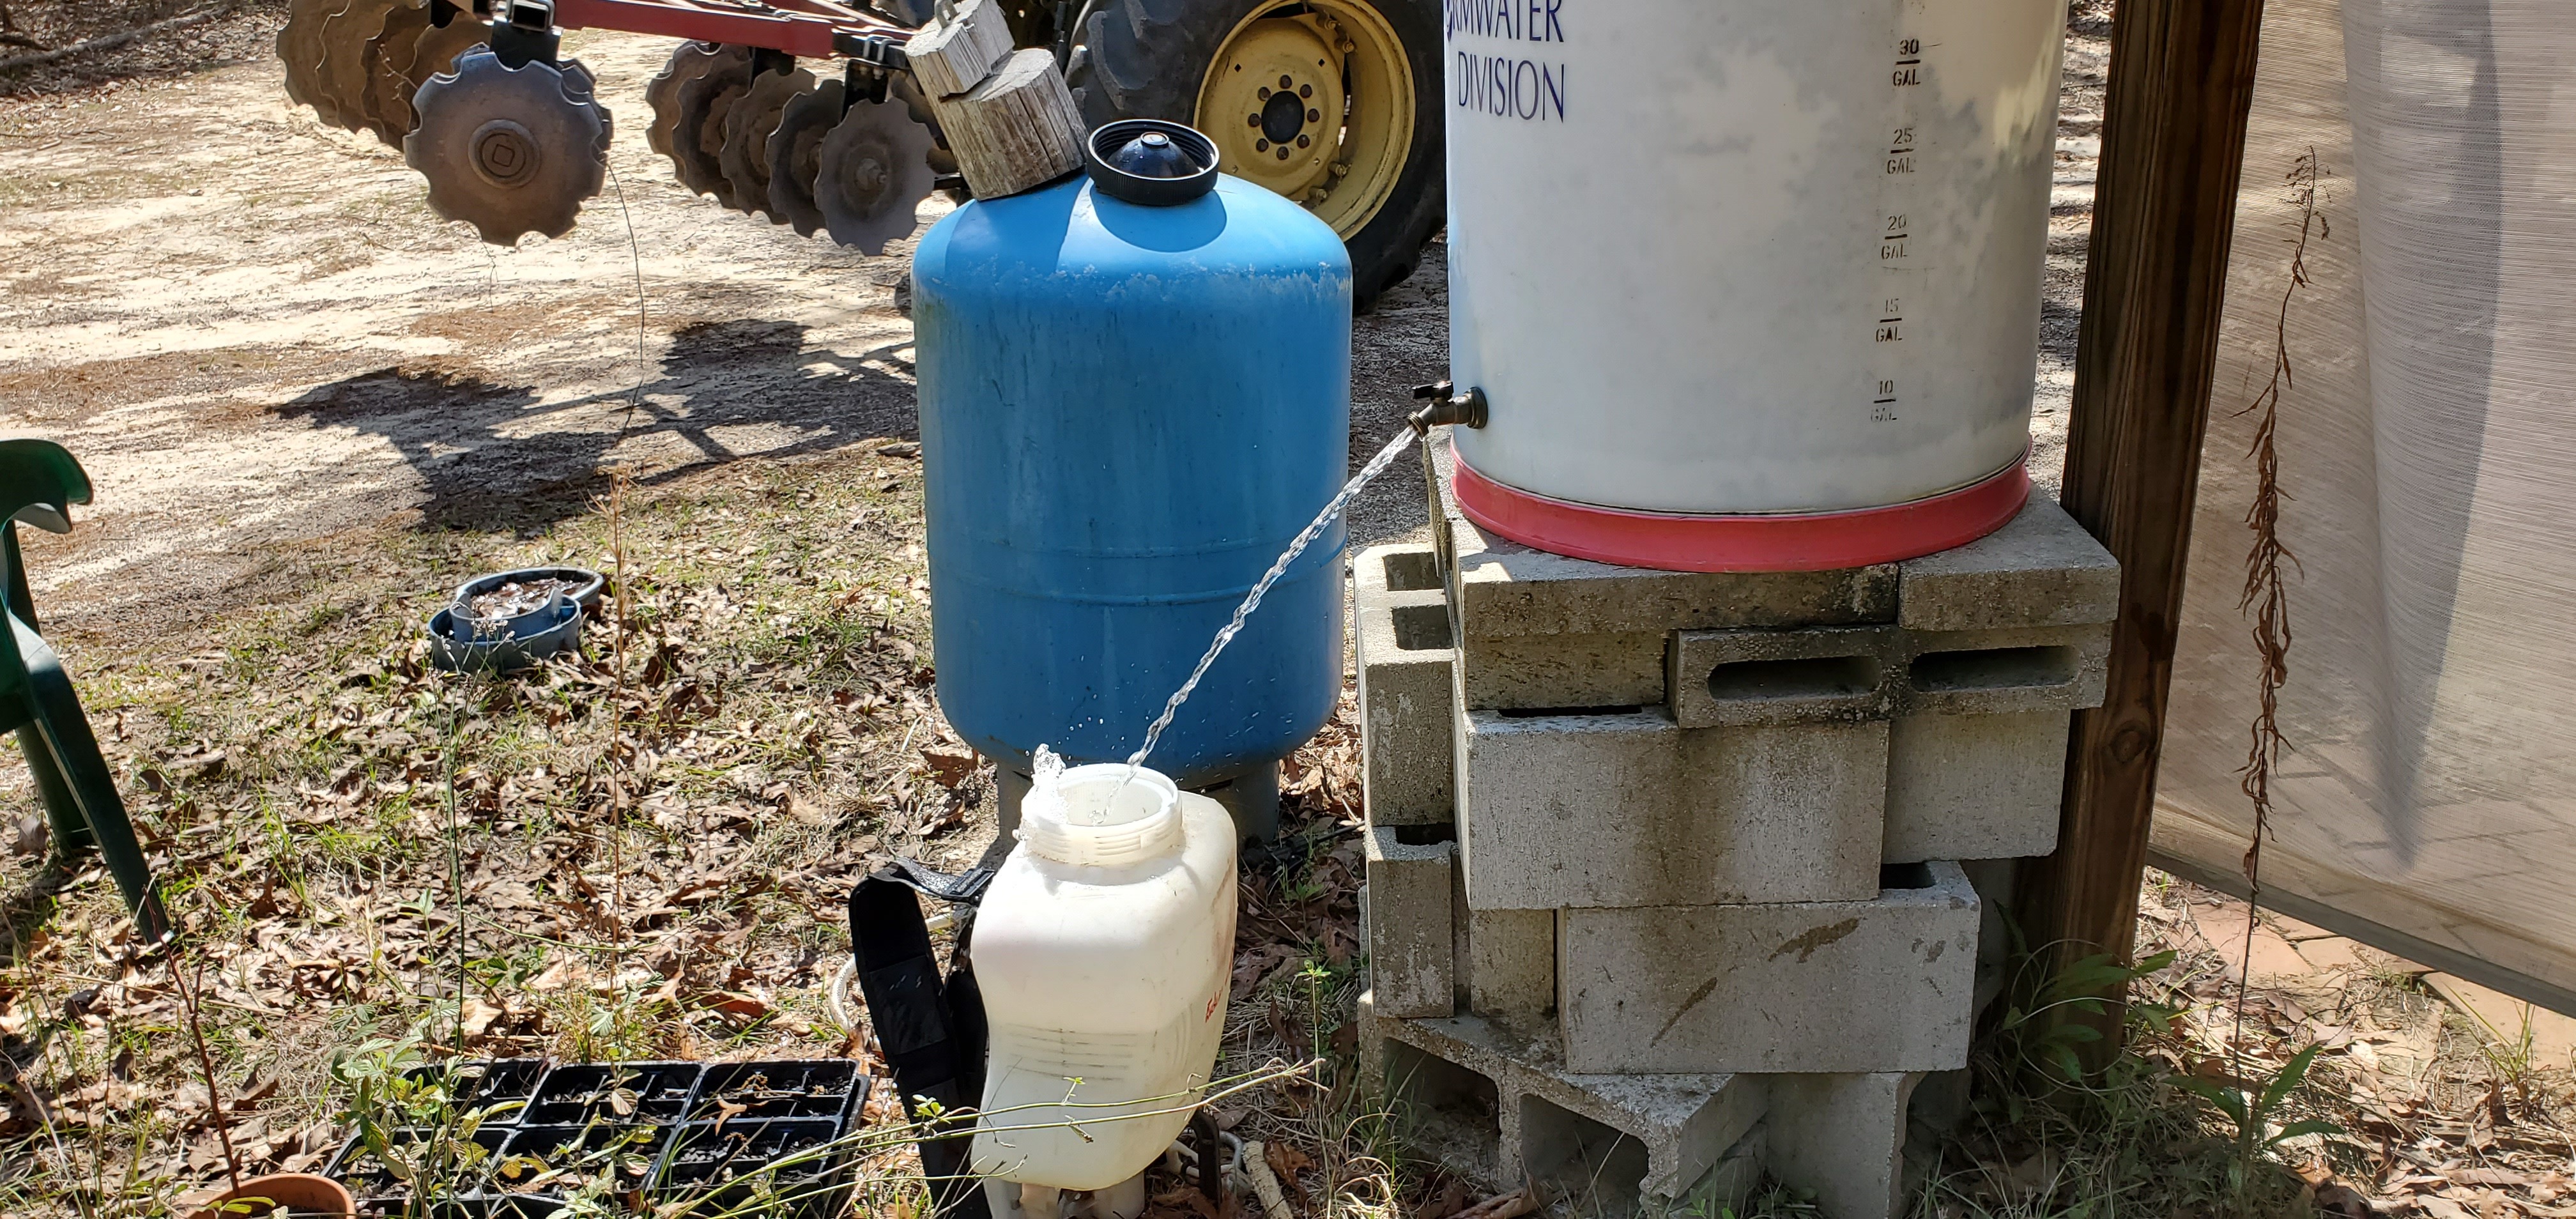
(517, 649)
(588, 584)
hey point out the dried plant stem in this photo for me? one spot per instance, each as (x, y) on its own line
(206, 1063)
(2266, 593)
(456, 864)
(618, 476)
(617, 739)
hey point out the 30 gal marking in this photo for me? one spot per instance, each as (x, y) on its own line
(1899, 160)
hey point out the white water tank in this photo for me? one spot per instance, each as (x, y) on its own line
(1750, 284)
(1104, 948)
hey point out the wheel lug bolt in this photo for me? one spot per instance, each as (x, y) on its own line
(1264, 94)
(1285, 82)
(1253, 120)
(1263, 146)
(1314, 116)
(1303, 141)
(1283, 152)
(1305, 90)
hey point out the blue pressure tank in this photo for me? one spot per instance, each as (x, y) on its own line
(1135, 391)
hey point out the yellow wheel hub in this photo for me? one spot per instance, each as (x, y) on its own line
(1317, 106)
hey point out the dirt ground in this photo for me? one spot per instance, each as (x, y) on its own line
(309, 405)
(251, 329)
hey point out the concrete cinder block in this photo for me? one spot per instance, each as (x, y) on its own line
(1841, 1136)
(1974, 786)
(1994, 880)
(1635, 810)
(1607, 1144)
(1741, 677)
(1504, 589)
(1407, 686)
(1804, 987)
(1450, 1111)
(1544, 631)
(1976, 760)
(2040, 569)
(1506, 960)
(1584, 669)
(2000, 672)
(1411, 932)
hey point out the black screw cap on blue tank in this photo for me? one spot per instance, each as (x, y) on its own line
(1150, 162)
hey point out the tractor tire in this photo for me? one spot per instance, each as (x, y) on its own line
(1355, 135)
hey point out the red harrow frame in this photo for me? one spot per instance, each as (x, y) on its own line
(512, 138)
(806, 29)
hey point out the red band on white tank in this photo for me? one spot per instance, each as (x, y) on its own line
(1804, 541)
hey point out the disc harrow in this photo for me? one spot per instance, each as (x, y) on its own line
(871, 172)
(347, 37)
(299, 45)
(511, 151)
(387, 98)
(746, 144)
(795, 155)
(452, 32)
(512, 138)
(689, 61)
(697, 142)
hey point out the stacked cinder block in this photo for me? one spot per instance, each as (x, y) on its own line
(1665, 881)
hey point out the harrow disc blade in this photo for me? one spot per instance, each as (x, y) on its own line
(795, 150)
(871, 173)
(688, 61)
(511, 151)
(438, 47)
(299, 47)
(697, 140)
(917, 105)
(345, 35)
(745, 158)
(384, 104)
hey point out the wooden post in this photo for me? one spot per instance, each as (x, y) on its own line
(1017, 129)
(2164, 211)
(957, 50)
(1007, 114)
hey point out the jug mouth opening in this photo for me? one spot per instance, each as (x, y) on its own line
(1102, 818)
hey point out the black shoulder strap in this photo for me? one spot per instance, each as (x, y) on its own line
(964, 888)
(931, 1031)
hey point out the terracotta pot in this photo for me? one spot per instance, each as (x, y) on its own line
(300, 1192)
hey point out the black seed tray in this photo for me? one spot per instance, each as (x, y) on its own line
(714, 1160)
(572, 1095)
(474, 1206)
(375, 1188)
(718, 1167)
(502, 1085)
(826, 1087)
(628, 1153)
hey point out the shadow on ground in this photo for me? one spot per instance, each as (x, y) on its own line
(492, 457)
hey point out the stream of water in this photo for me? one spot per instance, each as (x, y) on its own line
(1252, 600)
(1048, 769)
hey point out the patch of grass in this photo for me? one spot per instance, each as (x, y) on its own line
(2141, 1139)
(653, 858)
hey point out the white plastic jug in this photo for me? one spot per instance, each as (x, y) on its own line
(1104, 949)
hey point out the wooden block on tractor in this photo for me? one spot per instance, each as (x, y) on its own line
(956, 51)
(1016, 130)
